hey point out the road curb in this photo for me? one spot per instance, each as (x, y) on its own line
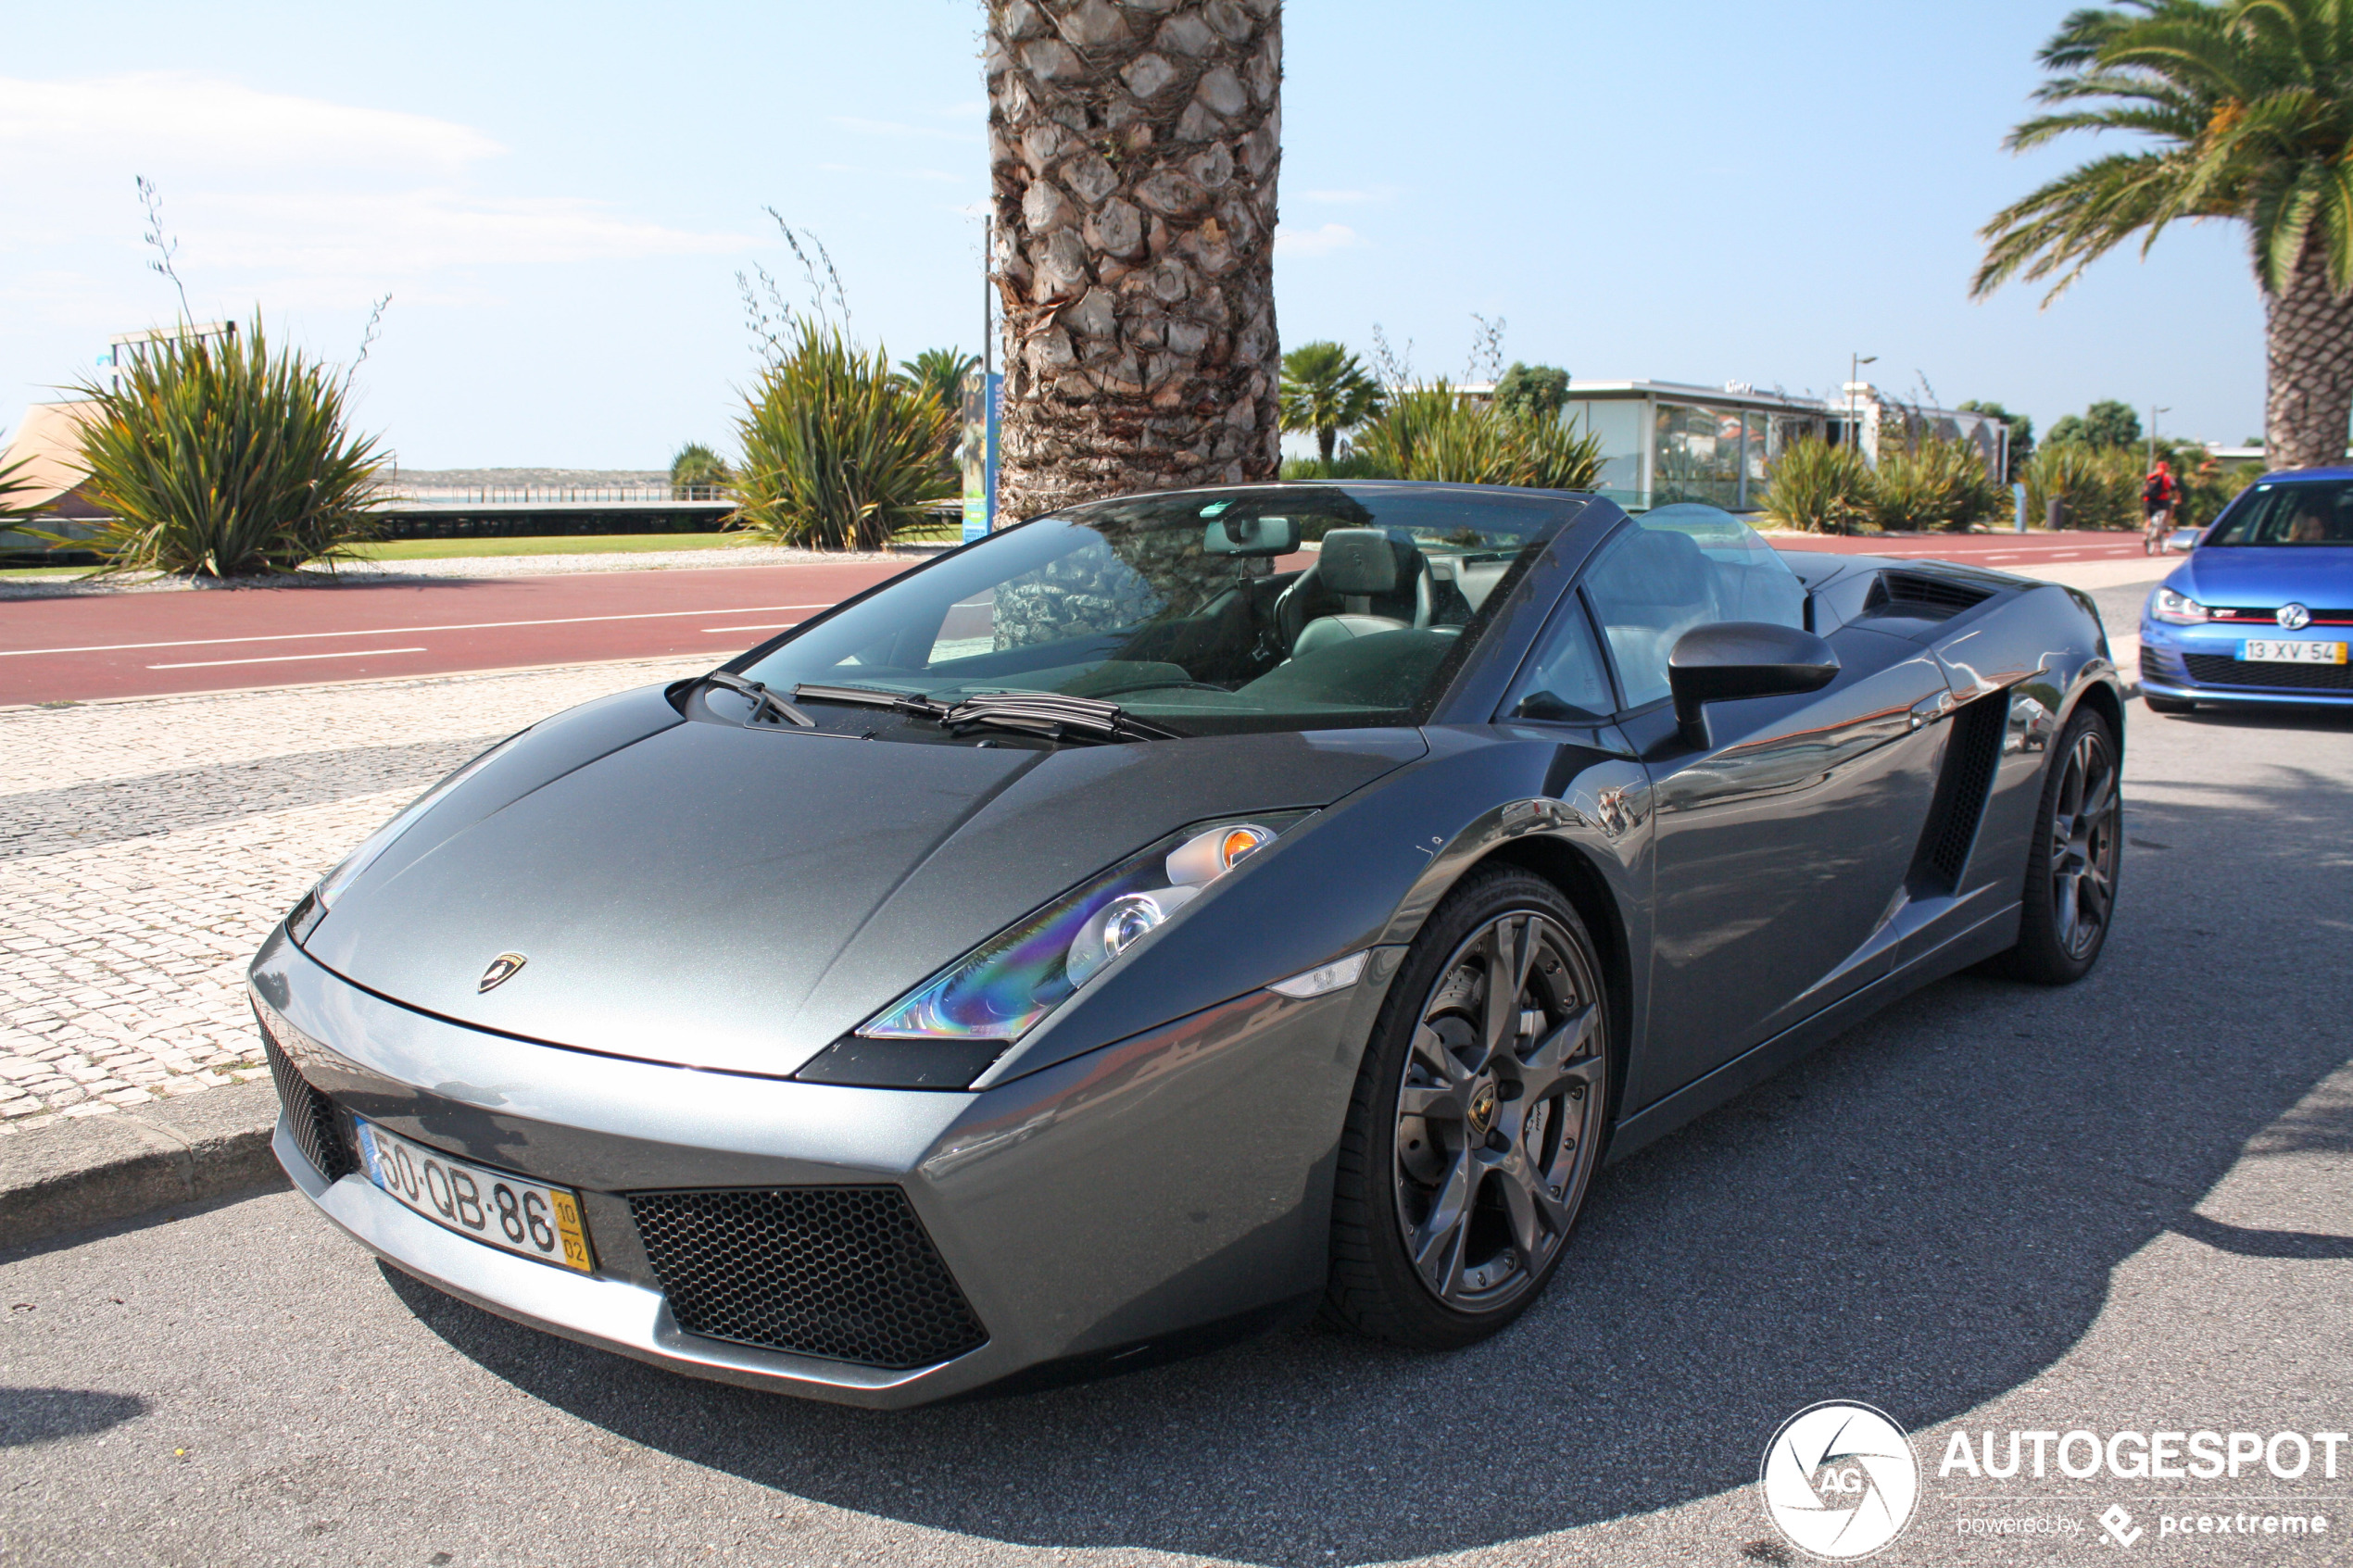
(85, 1170)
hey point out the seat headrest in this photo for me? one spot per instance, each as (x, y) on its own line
(1357, 560)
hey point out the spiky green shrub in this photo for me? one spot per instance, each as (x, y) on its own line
(1432, 434)
(839, 452)
(1820, 488)
(2096, 487)
(1930, 484)
(225, 458)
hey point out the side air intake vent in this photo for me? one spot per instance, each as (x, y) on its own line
(318, 1132)
(1971, 754)
(1921, 597)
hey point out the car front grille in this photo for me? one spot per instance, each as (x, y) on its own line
(846, 1273)
(2152, 667)
(318, 1132)
(2221, 670)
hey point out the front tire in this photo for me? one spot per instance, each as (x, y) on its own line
(1479, 1119)
(2071, 859)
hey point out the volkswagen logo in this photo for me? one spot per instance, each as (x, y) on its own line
(2293, 618)
(1840, 1480)
(502, 968)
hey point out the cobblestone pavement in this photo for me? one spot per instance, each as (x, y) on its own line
(146, 848)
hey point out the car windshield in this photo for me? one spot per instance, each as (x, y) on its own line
(1289, 606)
(2306, 512)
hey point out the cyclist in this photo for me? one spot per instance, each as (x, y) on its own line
(2160, 493)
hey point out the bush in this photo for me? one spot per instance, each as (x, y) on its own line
(839, 452)
(1347, 465)
(1430, 434)
(1931, 483)
(1820, 488)
(2096, 487)
(220, 458)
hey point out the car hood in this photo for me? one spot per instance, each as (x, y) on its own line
(2311, 575)
(734, 899)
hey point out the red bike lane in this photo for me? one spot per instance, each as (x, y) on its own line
(79, 650)
(2004, 552)
(84, 648)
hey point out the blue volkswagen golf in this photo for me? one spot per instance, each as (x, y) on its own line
(2261, 613)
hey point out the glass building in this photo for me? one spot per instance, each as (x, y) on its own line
(1663, 441)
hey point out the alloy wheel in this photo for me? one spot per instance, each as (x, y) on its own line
(2085, 816)
(1498, 1112)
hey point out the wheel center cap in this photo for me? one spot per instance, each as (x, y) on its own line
(1482, 1108)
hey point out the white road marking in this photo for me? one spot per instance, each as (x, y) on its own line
(403, 630)
(778, 627)
(283, 658)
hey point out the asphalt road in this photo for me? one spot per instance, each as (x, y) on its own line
(2122, 1205)
(76, 649)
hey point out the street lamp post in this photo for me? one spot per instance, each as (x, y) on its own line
(2154, 411)
(1854, 363)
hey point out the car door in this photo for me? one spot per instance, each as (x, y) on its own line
(1781, 846)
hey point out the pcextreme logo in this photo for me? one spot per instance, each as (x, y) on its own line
(1840, 1480)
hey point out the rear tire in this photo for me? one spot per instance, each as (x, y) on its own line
(1478, 1120)
(2072, 858)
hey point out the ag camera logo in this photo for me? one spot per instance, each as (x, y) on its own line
(1840, 1480)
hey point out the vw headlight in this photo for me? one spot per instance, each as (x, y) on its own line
(2178, 609)
(1003, 987)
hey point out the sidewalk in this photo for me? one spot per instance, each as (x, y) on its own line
(146, 847)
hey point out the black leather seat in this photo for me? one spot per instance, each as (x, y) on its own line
(1363, 581)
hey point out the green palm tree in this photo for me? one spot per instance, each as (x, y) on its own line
(2249, 105)
(1326, 390)
(940, 372)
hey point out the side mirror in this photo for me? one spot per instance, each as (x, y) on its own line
(1737, 658)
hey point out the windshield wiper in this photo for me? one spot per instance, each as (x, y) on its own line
(872, 696)
(1052, 715)
(762, 699)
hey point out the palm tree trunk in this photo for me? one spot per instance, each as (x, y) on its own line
(1133, 149)
(1327, 438)
(2308, 343)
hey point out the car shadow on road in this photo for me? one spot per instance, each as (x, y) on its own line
(1925, 1215)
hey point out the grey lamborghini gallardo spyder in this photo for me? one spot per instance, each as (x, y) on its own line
(1170, 915)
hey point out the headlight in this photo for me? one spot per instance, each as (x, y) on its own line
(2177, 608)
(1003, 987)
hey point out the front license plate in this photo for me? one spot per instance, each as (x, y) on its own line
(490, 1205)
(2265, 651)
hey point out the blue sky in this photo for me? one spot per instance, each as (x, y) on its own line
(558, 198)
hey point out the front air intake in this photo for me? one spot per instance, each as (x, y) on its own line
(310, 1115)
(847, 1272)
